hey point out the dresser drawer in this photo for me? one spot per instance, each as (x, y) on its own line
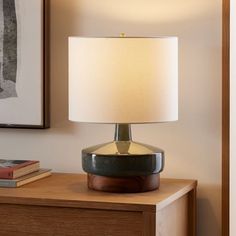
(62, 205)
(22, 220)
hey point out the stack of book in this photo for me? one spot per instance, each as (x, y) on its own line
(15, 173)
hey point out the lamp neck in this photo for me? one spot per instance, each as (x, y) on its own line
(123, 132)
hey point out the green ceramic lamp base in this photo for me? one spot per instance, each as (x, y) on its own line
(123, 164)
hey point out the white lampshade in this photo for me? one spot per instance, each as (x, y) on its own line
(123, 80)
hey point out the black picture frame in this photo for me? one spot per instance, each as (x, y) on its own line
(45, 103)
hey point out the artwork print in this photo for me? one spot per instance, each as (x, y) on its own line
(24, 64)
(8, 49)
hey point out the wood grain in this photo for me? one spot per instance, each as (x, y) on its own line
(71, 190)
(36, 221)
(134, 184)
(62, 205)
(149, 224)
(225, 117)
(173, 219)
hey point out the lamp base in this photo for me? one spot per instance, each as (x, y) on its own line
(123, 166)
(134, 184)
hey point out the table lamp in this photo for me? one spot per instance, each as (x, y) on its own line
(123, 81)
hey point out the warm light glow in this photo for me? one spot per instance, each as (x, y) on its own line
(146, 11)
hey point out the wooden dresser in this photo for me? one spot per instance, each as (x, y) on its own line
(61, 205)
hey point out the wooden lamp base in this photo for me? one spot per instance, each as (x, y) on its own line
(124, 184)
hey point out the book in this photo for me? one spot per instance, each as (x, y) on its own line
(12, 169)
(14, 183)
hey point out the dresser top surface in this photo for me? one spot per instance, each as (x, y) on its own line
(70, 190)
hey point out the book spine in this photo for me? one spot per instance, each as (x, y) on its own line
(6, 173)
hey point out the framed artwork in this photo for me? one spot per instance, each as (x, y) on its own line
(24, 64)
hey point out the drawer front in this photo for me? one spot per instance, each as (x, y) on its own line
(22, 220)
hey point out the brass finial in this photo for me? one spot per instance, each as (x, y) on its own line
(122, 35)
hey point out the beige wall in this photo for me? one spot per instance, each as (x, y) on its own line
(233, 119)
(193, 144)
